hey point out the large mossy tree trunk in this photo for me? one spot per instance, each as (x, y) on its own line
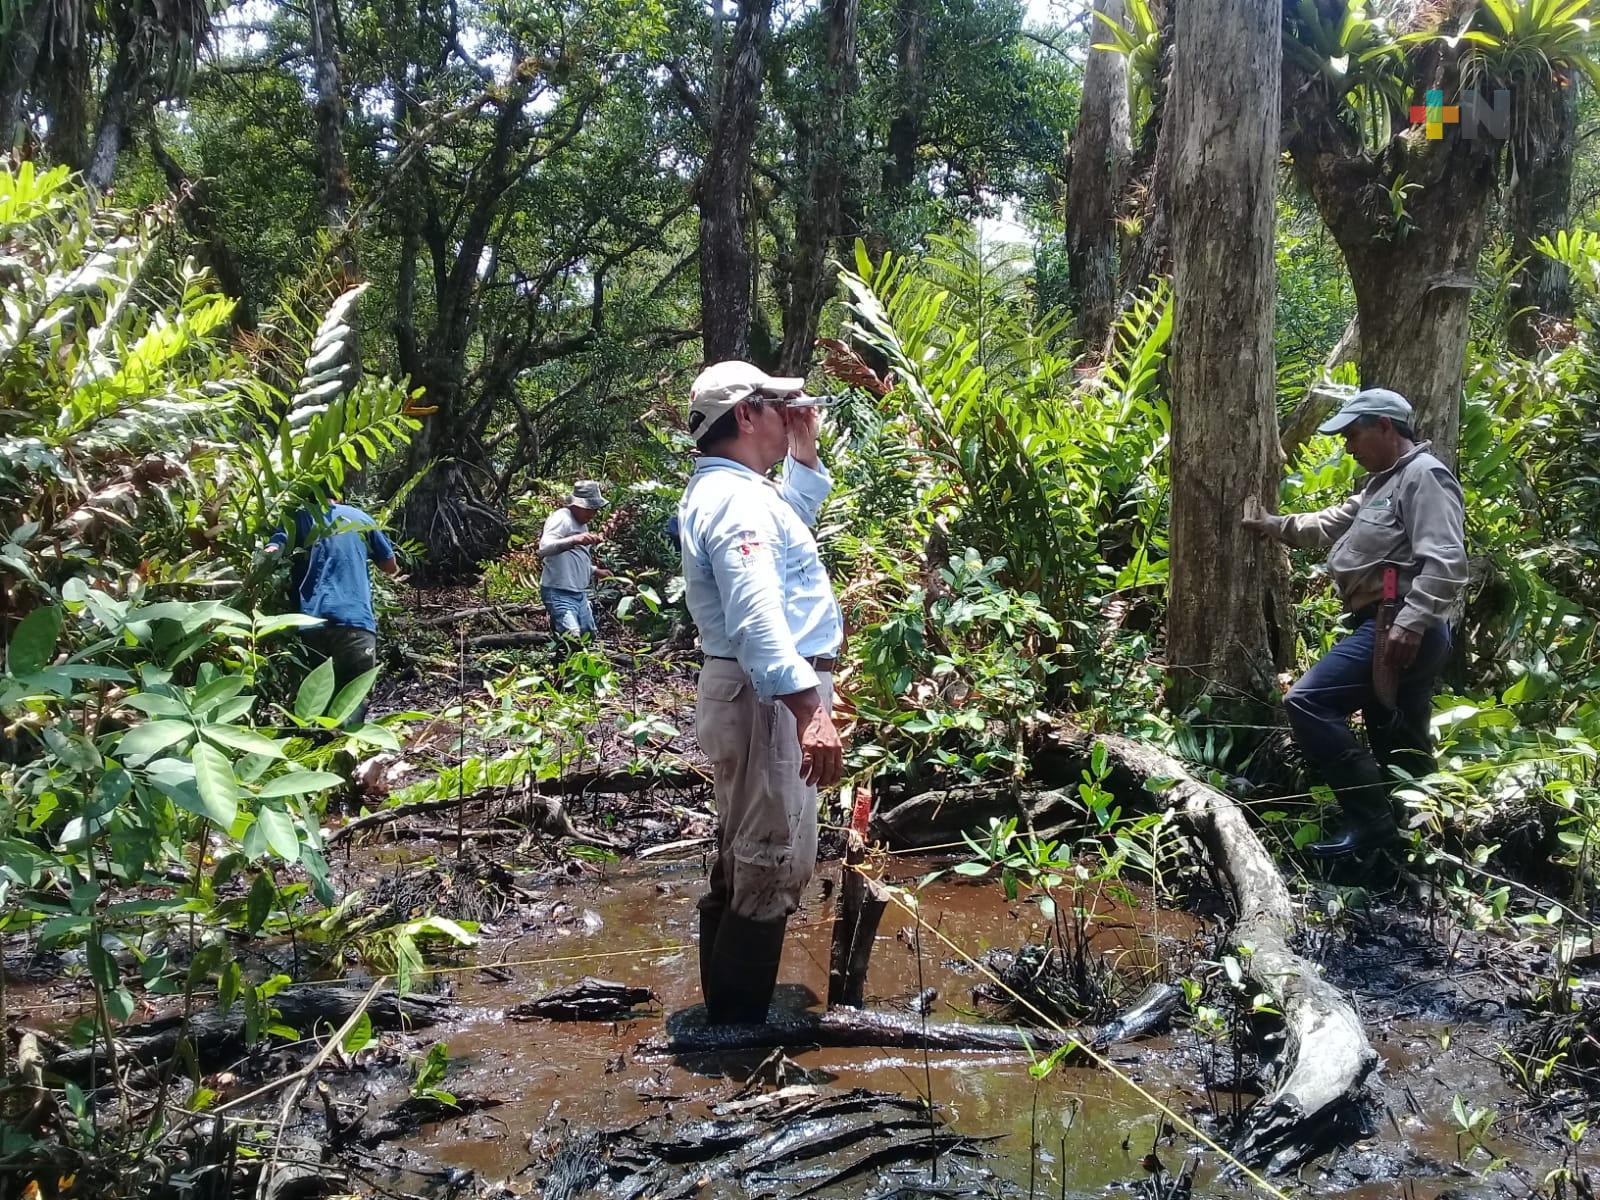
(825, 145)
(910, 94)
(116, 109)
(337, 193)
(1102, 150)
(725, 259)
(1222, 121)
(1409, 220)
(24, 40)
(1538, 205)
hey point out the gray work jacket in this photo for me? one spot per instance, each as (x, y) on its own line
(1410, 516)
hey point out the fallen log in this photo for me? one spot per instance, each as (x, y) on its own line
(1325, 1057)
(219, 1038)
(468, 614)
(589, 999)
(848, 1027)
(544, 813)
(939, 818)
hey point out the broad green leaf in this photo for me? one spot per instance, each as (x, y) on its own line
(279, 832)
(258, 907)
(155, 705)
(219, 790)
(33, 642)
(145, 741)
(359, 1036)
(351, 696)
(315, 692)
(246, 741)
(214, 693)
(300, 783)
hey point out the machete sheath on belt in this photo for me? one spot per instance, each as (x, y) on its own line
(1385, 676)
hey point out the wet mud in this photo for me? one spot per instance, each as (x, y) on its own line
(1079, 1131)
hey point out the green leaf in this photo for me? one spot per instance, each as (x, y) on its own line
(280, 833)
(155, 705)
(144, 742)
(219, 789)
(359, 1035)
(315, 692)
(259, 905)
(33, 642)
(351, 696)
(300, 783)
(972, 868)
(246, 741)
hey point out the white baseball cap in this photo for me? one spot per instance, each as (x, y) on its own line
(720, 386)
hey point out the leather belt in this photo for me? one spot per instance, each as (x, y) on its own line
(817, 662)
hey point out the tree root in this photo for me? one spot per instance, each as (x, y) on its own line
(862, 1027)
(1325, 1056)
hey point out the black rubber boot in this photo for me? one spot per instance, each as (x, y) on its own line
(744, 970)
(710, 922)
(1369, 822)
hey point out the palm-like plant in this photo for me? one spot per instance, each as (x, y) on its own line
(1351, 53)
(134, 440)
(1140, 40)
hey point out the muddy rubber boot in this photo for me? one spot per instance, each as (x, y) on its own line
(744, 970)
(1369, 822)
(710, 922)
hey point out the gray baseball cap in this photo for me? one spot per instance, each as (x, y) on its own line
(1369, 402)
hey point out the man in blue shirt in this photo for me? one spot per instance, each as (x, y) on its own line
(331, 581)
(770, 629)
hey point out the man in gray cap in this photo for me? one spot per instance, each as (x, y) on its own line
(770, 629)
(568, 568)
(1401, 539)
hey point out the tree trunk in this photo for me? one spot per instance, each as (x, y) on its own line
(1538, 205)
(66, 88)
(825, 144)
(1413, 305)
(199, 215)
(1316, 406)
(905, 127)
(725, 261)
(23, 44)
(1222, 118)
(336, 189)
(1102, 149)
(116, 108)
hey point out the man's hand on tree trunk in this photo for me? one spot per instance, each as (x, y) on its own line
(1253, 517)
(821, 752)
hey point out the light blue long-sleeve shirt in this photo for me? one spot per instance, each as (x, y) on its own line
(755, 584)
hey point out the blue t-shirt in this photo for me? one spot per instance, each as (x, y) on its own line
(334, 583)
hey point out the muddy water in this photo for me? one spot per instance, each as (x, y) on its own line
(1076, 1132)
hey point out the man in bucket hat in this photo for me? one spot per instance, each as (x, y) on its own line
(568, 568)
(770, 629)
(1398, 557)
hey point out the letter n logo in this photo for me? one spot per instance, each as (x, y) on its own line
(1492, 116)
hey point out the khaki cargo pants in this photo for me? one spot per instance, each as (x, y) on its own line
(766, 813)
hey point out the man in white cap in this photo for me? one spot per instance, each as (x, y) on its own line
(568, 568)
(1407, 523)
(770, 629)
